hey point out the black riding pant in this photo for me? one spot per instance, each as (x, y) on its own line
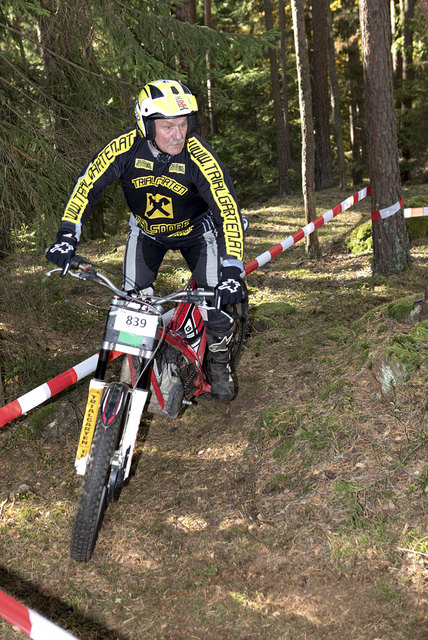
(144, 255)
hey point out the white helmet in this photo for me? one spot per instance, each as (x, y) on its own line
(164, 99)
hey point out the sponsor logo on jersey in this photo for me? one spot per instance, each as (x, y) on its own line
(177, 167)
(172, 229)
(160, 181)
(158, 206)
(185, 232)
(142, 163)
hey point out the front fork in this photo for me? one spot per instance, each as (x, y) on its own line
(122, 458)
(138, 398)
(96, 388)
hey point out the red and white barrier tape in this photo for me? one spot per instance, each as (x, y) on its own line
(31, 623)
(40, 394)
(304, 231)
(381, 214)
(416, 212)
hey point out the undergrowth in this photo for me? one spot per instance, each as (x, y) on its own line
(246, 519)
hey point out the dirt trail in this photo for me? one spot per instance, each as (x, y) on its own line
(296, 511)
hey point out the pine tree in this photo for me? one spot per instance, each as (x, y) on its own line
(390, 240)
(305, 101)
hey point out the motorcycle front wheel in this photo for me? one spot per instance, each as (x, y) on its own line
(92, 501)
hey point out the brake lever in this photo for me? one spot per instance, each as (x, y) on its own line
(194, 296)
(65, 270)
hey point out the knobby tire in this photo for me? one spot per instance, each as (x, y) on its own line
(92, 501)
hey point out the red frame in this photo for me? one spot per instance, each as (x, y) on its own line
(176, 340)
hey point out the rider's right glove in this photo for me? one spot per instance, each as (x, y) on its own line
(63, 250)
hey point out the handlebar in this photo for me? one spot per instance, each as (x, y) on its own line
(83, 269)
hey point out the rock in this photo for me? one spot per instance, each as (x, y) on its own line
(19, 491)
(54, 420)
(389, 374)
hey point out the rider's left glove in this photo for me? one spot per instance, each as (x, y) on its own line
(62, 251)
(229, 289)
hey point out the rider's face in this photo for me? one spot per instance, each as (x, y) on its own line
(171, 134)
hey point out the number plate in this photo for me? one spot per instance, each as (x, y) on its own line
(131, 329)
(136, 323)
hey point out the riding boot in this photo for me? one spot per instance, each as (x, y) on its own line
(218, 368)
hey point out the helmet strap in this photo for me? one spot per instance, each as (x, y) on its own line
(161, 157)
(149, 125)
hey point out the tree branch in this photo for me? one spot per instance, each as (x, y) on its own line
(57, 55)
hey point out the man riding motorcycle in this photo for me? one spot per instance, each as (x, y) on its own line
(180, 197)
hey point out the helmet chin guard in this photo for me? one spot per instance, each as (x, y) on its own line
(164, 99)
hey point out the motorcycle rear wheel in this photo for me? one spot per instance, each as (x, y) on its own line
(239, 313)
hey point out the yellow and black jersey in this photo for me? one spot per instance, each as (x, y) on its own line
(168, 200)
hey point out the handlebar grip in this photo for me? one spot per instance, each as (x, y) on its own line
(76, 262)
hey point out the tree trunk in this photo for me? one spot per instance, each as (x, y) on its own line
(356, 112)
(424, 6)
(407, 88)
(397, 59)
(390, 240)
(306, 118)
(286, 115)
(409, 8)
(60, 78)
(186, 11)
(348, 27)
(210, 81)
(5, 239)
(321, 102)
(335, 105)
(277, 109)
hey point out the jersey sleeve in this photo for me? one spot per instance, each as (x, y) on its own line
(102, 170)
(216, 188)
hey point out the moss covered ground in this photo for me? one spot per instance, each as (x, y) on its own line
(299, 510)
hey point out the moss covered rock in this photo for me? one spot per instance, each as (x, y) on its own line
(361, 239)
(403, 309)
(420, 331)
(417, 228)
(400, 309)
(54, 420)
(405, 350)
(404, 354)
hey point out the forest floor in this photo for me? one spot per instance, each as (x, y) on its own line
(296, 511)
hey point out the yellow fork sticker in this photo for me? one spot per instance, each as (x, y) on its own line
(90, 418)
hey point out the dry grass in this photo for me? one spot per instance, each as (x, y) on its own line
(296, 511)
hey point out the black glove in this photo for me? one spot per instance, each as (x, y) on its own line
(229, 289)
(63, 250)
